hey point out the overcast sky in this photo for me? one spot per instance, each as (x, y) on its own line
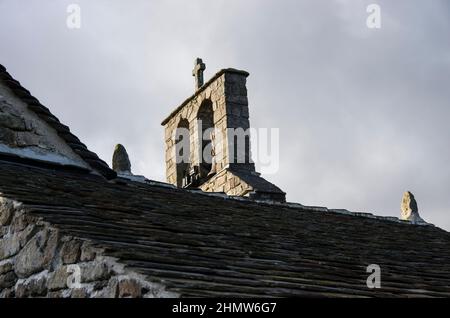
(363, 113)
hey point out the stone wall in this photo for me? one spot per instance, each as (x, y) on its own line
(225, 181)
(228, 93)
(37, 260)
(23, 133)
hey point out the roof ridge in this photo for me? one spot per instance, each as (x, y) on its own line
(291, 205)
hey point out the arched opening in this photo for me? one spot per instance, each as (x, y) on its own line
(182, 152)
(205, 116)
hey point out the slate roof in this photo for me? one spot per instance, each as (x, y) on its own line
(62, 130)
(203, 245)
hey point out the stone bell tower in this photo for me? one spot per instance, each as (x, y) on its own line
(208, 142)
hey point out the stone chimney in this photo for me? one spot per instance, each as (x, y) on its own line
(208, 141)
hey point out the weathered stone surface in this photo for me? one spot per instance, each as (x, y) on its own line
(79, 293)
(94, 271)
(409, 209)
(7, 136)
(7, 280)
(88, 253)
(25, 235)
(10, 117)
(55, 294)
(20, 222)
(7, 293)
(25, 139)
(3, 231)
(6, 212)
(37, 253)
(409, 205)
(70, 252)
(129, 288)
(111, 290)
(99, 285)
(28, 133)
(58, 278)
(197, 72)
(12, 121)
(6, 266)
(32, 287)
(9, 246)
(121, 162)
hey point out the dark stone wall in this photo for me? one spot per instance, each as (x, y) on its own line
(36, 260)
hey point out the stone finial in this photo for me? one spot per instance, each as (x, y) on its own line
(197, 72)
(120, 162)
(410, 211)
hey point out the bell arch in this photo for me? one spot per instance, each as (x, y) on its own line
(205, 119)
(182, 152)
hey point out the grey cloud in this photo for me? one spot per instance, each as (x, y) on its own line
(363, 114)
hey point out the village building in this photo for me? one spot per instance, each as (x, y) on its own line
(71, 226)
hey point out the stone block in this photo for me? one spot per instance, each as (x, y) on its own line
(111, 290)
(99, 285)
(232, 182)
(7, 293)
(32, 287)
(129, 288)
(6, 266)
(7, 280)
(220, 180)
(6, 212)
(58, 278)
(219, 189)
(26, 139)
(3, 231)
(88, 252)
(79, 293)
(9, 246)
(12, 122)
(94, 271)
(70, 252)
(26, 234)
(55, 294)
(20, 222)
(37, 253)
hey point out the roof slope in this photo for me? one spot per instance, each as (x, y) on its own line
(62, 130)
(199, 245)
